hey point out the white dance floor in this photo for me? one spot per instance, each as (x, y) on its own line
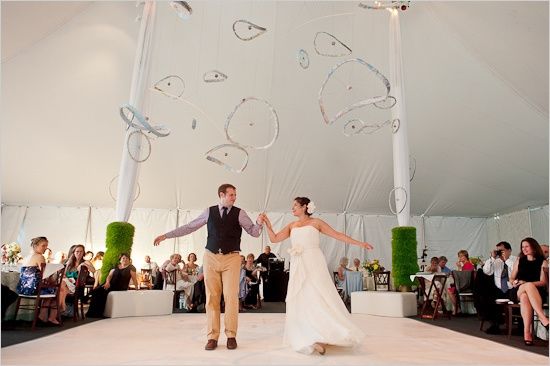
(179, 339)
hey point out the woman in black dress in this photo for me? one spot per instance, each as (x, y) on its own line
(252, 280)
(530, 283)
(117, 280)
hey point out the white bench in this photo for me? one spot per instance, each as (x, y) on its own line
(384, 303)
(138, 303)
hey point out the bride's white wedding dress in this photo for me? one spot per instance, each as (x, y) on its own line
(315, 312)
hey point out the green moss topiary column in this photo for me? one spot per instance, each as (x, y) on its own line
(120, 237)
(404, 261)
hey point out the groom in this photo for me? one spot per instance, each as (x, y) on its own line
(221, 261)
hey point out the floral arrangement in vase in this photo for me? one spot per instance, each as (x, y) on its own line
(11, 251)
(372, 266)
(476, 261)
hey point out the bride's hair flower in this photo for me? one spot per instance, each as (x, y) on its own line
(311, 207)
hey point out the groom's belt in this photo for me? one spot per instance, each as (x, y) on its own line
(219, 251)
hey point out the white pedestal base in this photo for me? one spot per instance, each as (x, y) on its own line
(138, 303)
(384, 303)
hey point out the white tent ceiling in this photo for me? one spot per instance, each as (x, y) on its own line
(476, 84)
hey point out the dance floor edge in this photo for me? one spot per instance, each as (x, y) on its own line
(179, 339)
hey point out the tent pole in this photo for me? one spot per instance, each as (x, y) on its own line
(401, 179)
(129, 168)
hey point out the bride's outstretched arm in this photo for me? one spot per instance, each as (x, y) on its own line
(280, 236)
(329, 231)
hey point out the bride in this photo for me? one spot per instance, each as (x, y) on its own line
(315, 314)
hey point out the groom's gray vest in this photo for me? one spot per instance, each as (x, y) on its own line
(223, 236)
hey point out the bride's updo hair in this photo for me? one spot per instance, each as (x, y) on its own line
(303, 201)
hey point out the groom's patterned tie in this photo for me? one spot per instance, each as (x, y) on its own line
(224, 215)
(504, 279)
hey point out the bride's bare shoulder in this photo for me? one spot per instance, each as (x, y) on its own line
(316, 222)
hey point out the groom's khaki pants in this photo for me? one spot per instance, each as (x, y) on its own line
(221, 274)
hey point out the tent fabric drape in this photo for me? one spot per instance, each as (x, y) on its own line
(515, 226)
(65, 226)
(510, 227)
(539, 224)
(12, 219)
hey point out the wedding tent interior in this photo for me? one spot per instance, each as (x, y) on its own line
(475, 93)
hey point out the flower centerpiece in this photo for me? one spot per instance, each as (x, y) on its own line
(476, 261)
(12, 252)
(372, 266)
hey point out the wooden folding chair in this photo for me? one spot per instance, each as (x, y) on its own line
(170, 283)
(79, 293)
(339, 288)
(382, 279)
(146, 279)
(52, 282)
(464, 284)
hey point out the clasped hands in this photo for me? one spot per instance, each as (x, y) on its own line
(263, 219)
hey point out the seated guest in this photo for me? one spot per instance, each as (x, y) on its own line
(97, 262)
(464, 263)
(252, 280)
(499, 267)
(174, 260)
(443, 265)
(191, 267)
(199, 293)
(30, 275)
(529, 286)
(72, 268)
(183, 282)
(447, 296)
(89, 256)
(342, 269)
(243, 287)
(434, 266)
(117, 280)
(71, 251)
(357, 267)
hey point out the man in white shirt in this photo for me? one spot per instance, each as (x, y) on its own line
(499, 266)
(357, 267)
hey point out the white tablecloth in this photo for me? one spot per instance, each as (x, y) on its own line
(11, 279)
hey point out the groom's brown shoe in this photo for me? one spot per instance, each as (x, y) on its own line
(231, 343)
(211, 345)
